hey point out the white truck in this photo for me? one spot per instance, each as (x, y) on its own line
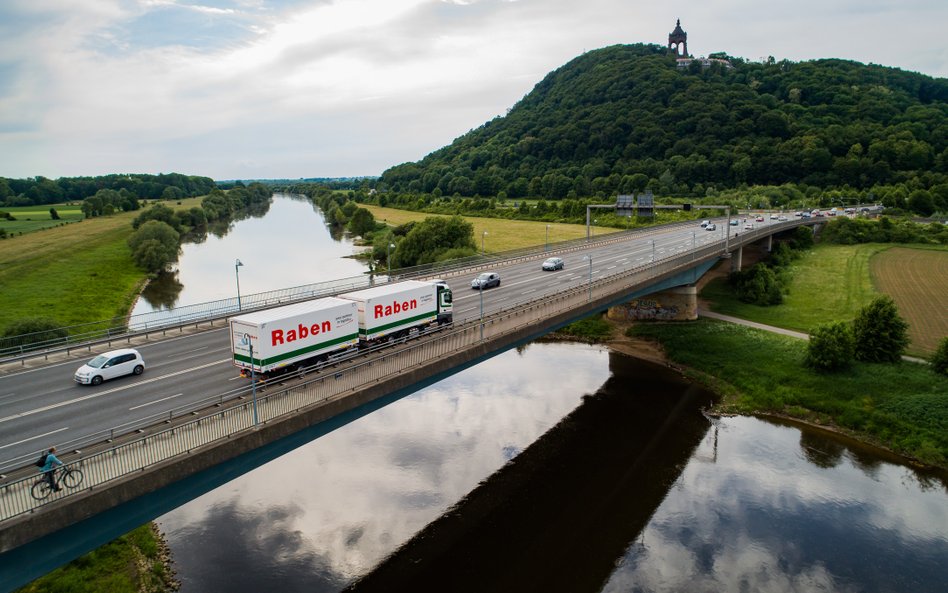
(277, 339)
(393, 310)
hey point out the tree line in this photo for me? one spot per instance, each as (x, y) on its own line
(118, 190)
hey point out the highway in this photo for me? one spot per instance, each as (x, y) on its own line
(44, 406)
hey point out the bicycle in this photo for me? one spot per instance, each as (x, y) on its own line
(67, 476)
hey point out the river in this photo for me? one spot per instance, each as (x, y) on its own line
(557, 467)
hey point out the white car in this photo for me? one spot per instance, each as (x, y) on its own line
(110, 365)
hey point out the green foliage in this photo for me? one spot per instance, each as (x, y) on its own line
(160, 212)
(940, 358)
(757, 285)
(120, 191)
(154, 245)
(881, 333)
(850, 231)
(594, 329)
(361, 222)
(903, 406)
(31, 330)
(831, 347)
(53, 214)
(623, 118)
(431, 238)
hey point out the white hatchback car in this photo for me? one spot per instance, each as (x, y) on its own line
(116, 363)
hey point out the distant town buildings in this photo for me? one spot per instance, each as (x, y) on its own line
(678, 45)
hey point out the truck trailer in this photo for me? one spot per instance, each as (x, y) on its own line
(393, 310)
(279, 338)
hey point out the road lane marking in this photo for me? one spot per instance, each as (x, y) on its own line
(39, 436)
(155, 402)
(101, 393)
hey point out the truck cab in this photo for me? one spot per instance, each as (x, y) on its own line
(445, 301)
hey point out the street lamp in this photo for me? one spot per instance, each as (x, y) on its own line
(253, 385)
(589, 257)
(388, 259)
(482, 242)
(653, 250)
(592, 229)
(480, 288)
(546, 246)
(237, 274)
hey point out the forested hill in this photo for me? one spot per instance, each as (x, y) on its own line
(618, 119)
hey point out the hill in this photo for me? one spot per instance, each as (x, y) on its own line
(622, 118)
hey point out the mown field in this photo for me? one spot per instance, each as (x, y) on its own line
(77, 273)
(35, 218)
(917, 280)
(832, 282)
(502, 234)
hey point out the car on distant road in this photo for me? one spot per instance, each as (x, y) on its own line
(773, 217)
(782, 218)
(110, 365)
(552, 263)
(748, 227)
(485, 280)
(759, 219)
(705, 223)
(735, 222)
(710, 227)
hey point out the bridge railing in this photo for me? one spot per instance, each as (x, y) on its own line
(121, 460)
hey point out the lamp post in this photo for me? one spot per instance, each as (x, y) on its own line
(653, 250)
(388, 259)
(546, 246)
(481, 290)
(253, 385)
(589, 257)
(592, 229)
(483, 236)
(237, 274)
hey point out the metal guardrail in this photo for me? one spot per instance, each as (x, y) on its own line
(334, 383)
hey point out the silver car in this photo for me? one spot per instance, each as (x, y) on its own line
(486, 280)
(553, 263)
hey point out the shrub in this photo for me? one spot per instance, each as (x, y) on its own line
(831, 347)
(154, 245)
(940, 358)
(881, 333)
(31, 331)
(758, 285)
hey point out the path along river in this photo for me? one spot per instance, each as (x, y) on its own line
(560, 467)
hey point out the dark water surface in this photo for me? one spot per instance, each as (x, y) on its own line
(506, 478)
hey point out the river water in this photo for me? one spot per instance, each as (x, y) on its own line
(559, 467)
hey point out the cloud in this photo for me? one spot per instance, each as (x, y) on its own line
(118, 85)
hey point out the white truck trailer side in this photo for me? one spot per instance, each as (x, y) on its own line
(393, 309)
(292, 334)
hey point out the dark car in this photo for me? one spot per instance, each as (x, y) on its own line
(486, 280)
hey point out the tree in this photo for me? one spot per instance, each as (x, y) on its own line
(32, 331)
(154, 245)
(758, 285)
(831, 347)
(433, 236)
(940, 358)
(53, 214)
(880, 332)
(362, 222)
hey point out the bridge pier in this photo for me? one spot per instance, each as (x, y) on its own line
(770, 243)
(736, 256)
(675, 304)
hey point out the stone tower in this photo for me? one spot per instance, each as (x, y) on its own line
(678, 41)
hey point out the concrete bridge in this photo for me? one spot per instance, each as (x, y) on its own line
(136, 477)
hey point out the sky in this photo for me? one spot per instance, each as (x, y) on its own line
(284, 89)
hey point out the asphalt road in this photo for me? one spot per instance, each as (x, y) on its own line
(44, 406)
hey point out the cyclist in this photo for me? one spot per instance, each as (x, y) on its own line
(49, 469)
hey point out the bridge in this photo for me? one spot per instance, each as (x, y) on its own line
(138, 468)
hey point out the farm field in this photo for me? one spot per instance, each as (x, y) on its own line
(917, 280)
(35, 218)
(502, 234)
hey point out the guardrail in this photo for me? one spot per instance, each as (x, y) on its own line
(334, 383)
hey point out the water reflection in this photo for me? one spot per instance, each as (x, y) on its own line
(777, 511)
(281, 244)
(327, 512)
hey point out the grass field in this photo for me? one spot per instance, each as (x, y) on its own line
(502, 234)
(902, 406)
(35, 218)
(832, 282)
(77, 273)
(917, 280)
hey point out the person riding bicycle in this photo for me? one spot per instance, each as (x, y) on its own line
(49, 468)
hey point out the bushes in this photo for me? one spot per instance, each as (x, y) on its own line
(757, 285)
(831, 347)
(940, 359)
(32, 330)
(154, 245)
(881, 333)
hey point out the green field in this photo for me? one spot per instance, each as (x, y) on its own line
(502, 234)
(832, 282)
(74, 274)
(903, 406)
(36, 218)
